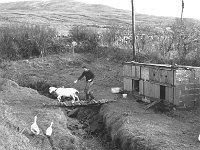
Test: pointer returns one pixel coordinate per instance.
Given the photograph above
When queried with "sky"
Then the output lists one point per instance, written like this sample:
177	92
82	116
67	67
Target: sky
150	7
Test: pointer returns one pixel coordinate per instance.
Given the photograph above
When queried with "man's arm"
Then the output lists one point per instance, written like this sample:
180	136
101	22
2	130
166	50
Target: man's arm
82	75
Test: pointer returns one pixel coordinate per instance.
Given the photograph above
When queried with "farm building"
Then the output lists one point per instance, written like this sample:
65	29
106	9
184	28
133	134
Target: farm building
177	85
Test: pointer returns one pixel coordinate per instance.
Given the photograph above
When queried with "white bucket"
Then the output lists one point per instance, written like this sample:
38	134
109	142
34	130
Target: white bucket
124	95
115	90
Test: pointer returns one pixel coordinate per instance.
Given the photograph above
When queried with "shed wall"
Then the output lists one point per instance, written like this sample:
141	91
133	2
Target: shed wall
181	86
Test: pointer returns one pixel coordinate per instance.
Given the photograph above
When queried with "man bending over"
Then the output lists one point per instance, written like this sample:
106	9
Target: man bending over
89	76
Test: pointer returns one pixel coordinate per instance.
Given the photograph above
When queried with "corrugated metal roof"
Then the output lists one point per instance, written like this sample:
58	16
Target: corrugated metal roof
163	65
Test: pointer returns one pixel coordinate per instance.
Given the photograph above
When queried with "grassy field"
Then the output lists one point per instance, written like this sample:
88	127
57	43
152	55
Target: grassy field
24	103
128	124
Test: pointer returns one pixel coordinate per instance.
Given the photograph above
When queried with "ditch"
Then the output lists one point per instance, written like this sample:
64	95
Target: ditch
86	123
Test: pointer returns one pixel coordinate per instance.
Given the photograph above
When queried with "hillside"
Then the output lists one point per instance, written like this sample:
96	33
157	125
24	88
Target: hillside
61	14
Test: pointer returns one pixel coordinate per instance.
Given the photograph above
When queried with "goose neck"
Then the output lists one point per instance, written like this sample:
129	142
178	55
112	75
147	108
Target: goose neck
35	119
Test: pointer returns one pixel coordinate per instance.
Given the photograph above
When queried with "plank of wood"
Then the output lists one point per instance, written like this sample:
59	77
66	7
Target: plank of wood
137	70
85	103
133	71
145	73
152	104
141	87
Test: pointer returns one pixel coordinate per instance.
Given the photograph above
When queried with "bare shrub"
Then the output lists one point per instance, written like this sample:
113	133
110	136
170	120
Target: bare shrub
119	55
87	39
25	41
186	40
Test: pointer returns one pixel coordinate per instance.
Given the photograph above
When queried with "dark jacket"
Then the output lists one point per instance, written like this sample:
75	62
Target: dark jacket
88	74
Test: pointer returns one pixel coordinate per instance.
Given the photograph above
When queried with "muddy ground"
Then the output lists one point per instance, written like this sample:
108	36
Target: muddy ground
124	124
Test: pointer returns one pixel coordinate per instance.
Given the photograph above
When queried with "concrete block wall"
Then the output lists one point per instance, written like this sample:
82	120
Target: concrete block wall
187	95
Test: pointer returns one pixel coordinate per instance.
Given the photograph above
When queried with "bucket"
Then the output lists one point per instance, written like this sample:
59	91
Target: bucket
124	95
115	90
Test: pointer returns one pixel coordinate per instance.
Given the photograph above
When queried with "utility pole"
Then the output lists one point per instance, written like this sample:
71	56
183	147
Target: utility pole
133	30
182	10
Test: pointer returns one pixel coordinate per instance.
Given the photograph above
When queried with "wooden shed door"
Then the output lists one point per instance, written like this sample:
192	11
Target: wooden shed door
162	92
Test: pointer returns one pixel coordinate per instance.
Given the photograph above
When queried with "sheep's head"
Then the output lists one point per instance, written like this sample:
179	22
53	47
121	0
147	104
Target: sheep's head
52	89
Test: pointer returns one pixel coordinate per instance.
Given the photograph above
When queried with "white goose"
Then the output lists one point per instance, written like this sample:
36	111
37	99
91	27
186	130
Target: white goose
34	127
199	138
49	130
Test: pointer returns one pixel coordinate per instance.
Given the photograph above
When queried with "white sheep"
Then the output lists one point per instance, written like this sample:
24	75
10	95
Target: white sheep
67	92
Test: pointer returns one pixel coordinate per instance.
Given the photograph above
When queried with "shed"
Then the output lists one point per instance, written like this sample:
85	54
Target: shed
174	84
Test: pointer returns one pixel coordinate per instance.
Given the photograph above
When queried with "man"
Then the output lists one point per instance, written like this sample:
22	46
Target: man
89	76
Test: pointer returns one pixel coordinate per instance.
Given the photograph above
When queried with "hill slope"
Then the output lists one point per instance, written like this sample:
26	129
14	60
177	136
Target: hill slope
63	13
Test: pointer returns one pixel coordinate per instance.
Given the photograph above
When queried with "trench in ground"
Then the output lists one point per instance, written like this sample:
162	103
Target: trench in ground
88	124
